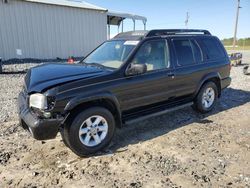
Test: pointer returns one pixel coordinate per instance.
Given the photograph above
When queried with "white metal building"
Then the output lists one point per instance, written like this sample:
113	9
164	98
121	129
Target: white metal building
47	29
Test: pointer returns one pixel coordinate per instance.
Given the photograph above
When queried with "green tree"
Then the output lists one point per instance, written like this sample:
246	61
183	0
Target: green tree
240	42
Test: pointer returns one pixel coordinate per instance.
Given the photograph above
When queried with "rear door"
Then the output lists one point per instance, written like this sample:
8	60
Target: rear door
188	65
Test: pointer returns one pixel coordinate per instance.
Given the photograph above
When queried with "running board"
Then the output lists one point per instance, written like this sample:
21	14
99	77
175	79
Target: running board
158	113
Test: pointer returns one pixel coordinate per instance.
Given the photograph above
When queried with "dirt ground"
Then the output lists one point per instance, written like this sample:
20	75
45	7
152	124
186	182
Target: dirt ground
179	149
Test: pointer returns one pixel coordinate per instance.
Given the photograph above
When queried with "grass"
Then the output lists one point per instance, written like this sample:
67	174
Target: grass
240	48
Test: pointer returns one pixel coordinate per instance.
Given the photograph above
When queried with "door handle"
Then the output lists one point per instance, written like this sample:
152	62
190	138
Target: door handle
171	75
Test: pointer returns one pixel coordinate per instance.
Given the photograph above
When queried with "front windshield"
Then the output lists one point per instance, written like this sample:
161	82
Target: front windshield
111	54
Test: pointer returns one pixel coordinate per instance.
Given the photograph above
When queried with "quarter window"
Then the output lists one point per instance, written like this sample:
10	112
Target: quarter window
154	54
213	49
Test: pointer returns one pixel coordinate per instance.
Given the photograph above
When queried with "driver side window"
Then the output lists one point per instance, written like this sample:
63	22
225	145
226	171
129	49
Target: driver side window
154	54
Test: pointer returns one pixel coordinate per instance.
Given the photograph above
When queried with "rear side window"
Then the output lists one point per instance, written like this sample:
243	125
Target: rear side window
184	52
213	48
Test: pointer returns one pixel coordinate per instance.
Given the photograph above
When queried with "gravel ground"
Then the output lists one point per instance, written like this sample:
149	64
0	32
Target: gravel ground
179	149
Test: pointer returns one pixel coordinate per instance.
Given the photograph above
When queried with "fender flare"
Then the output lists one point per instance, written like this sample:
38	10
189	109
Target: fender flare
207	77
74	102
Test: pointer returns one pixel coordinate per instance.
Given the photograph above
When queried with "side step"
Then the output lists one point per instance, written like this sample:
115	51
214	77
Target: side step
158	113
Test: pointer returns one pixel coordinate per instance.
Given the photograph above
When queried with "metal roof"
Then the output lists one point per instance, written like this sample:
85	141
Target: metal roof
69	3
114	18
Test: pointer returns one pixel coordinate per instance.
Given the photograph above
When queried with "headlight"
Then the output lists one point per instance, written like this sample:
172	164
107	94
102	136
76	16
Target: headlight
38	101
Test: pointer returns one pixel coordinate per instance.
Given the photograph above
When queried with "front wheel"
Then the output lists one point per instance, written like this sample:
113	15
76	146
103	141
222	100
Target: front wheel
206	98
90	131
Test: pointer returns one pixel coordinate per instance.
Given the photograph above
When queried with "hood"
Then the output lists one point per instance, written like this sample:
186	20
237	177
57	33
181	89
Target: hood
46	76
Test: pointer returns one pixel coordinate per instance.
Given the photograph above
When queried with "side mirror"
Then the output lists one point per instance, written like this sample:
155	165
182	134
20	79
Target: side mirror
136	69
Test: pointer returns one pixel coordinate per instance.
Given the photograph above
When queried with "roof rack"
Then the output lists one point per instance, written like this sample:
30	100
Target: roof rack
135	35
161	32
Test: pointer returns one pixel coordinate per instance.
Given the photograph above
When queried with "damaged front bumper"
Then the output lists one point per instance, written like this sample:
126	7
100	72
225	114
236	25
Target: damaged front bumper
40	129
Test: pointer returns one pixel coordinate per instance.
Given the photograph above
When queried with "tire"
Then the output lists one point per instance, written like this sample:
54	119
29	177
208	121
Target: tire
64	136
86	143
205	103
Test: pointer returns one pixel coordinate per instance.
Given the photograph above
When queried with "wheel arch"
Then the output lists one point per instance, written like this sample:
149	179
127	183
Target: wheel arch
105	100
212	77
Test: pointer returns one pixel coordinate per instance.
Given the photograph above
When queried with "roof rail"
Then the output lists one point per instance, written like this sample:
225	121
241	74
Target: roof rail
161	32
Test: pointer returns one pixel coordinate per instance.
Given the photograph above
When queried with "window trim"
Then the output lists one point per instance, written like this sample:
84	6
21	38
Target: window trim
201	52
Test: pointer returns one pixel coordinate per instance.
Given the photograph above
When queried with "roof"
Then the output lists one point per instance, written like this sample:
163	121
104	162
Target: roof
69	3
115	18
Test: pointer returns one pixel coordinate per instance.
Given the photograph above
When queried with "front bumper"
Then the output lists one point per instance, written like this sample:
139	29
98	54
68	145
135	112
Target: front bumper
225	82
40	129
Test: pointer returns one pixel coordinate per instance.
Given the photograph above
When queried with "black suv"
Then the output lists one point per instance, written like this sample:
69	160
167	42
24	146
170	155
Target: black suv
134	76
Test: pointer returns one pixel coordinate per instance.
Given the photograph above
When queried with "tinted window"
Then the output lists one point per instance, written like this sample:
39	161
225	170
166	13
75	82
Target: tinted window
213	48
183	48
196	51
154	54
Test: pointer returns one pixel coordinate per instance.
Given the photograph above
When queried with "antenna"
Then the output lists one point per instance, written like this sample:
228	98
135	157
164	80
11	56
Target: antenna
187	20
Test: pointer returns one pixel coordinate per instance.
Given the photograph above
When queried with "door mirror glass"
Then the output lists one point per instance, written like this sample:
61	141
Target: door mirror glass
136	69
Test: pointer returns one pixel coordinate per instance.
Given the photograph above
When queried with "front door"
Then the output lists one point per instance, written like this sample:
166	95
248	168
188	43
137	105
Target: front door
156	85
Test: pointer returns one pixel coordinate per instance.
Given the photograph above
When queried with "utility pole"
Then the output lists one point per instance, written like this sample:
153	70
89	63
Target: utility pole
187	20
236	24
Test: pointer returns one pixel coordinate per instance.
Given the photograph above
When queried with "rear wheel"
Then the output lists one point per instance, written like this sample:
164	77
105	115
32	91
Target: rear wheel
90	131
206	98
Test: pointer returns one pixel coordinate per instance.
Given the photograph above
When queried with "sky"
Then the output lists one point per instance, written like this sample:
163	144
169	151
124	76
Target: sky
217	16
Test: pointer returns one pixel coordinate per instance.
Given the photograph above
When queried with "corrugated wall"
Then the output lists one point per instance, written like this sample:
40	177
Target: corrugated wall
48	31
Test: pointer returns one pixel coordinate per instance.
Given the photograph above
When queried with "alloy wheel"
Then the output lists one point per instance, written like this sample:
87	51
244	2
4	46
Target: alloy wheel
93	131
